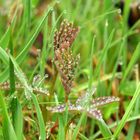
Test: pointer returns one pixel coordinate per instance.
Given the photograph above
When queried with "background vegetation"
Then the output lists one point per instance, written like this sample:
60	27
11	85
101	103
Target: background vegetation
109	60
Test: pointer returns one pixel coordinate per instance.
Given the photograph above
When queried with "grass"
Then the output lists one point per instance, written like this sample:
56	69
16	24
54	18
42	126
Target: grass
109	59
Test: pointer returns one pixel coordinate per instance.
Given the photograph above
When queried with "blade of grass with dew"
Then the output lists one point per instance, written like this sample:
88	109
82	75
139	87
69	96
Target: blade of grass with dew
17	118
38	110
24	52
8	130
21	78
15	106
127	113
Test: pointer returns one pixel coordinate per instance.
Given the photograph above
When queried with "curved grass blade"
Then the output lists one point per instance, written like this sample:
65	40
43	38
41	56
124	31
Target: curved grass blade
40	118
133	118
17	118
104	129
4	41
127	113
3	56
8	130
76	130
24	52
28	88
135	57
61	134
4	75
11	66
104	53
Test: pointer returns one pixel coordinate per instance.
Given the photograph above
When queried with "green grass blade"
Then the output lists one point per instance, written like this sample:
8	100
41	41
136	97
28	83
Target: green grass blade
44	49
91	64
76	10
104	53
76	130
4	56
17	118
8	130
134	58
11	68
61	131
4	75
40	118
83	137
104	129
38	110
133	118
131	130
24	52
39	114
126	12
5	39
127	113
